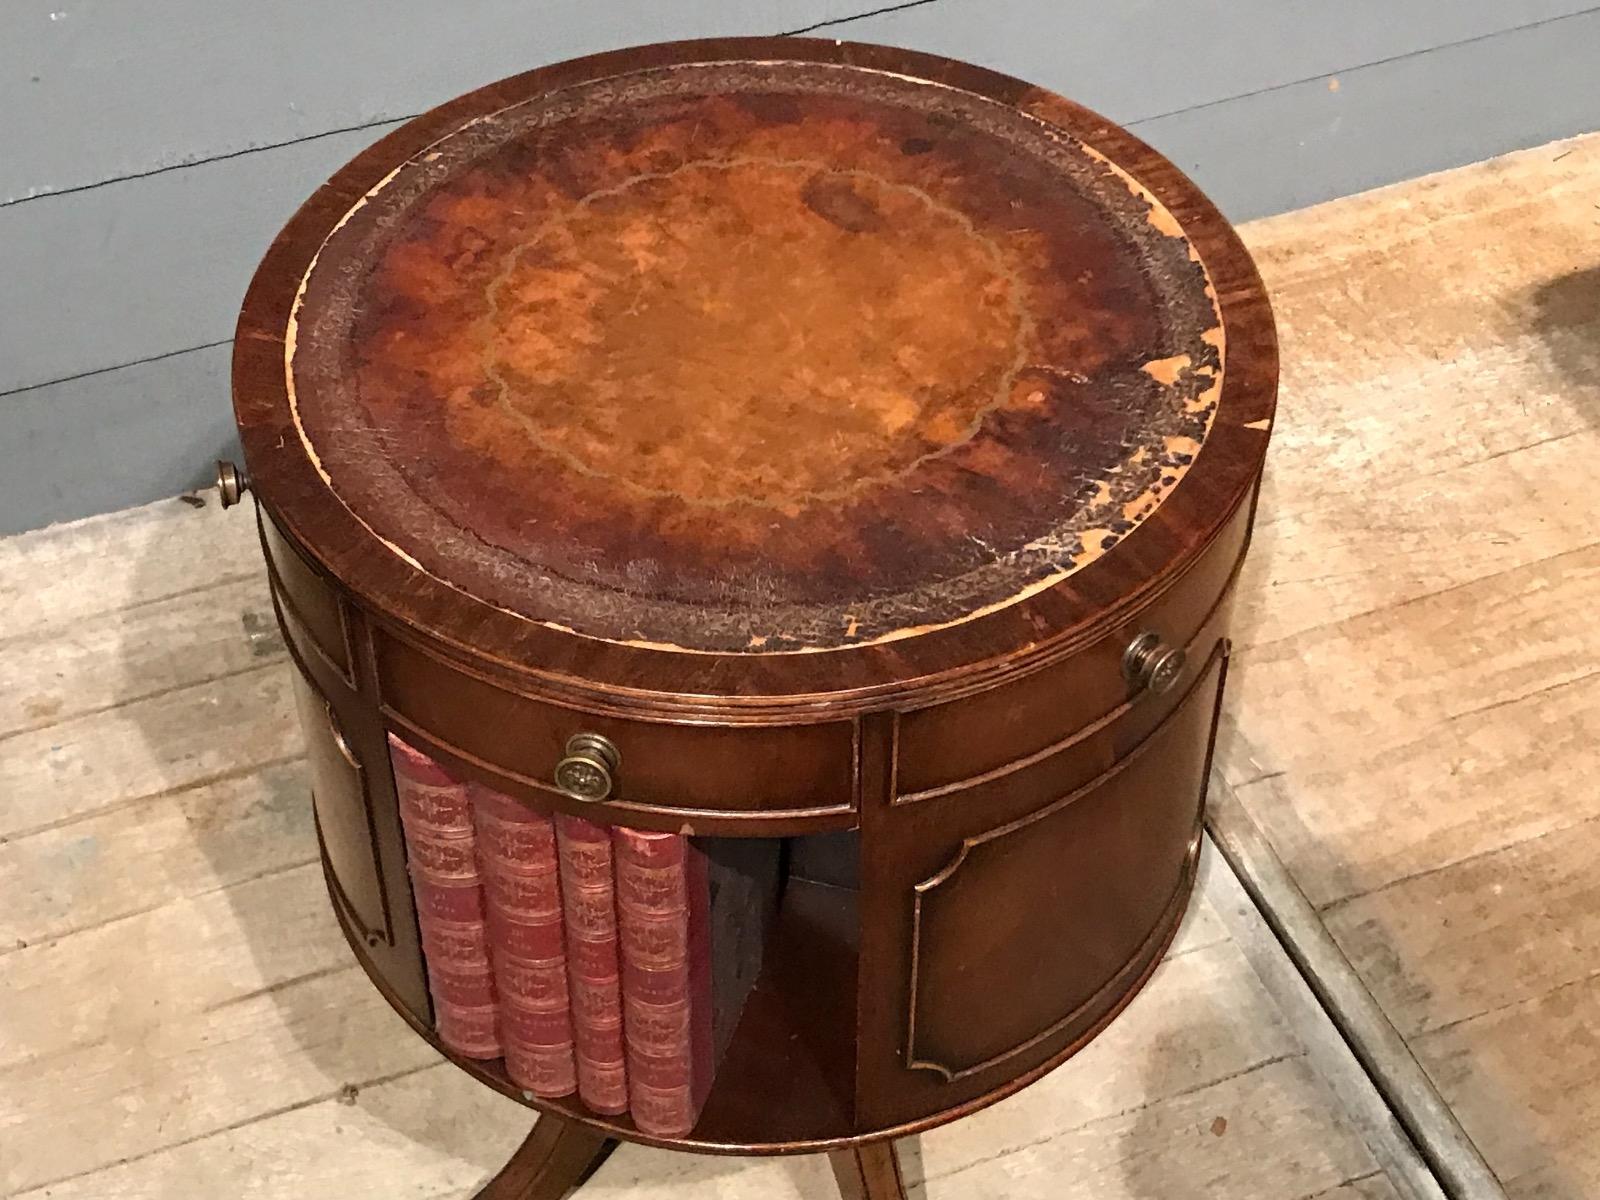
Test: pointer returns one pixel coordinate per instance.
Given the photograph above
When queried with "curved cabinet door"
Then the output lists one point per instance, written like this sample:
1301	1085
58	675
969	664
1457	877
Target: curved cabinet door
1012	918
345	821
358	822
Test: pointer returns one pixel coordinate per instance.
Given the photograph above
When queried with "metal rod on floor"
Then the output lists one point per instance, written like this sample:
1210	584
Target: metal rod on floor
1377	1045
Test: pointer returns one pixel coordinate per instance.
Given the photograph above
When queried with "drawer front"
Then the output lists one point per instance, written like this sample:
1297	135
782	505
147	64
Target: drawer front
308	597
1074	760
947	745
793	778
1008	927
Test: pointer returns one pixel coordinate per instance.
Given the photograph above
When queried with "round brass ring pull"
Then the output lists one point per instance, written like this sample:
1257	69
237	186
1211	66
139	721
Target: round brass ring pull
1151	665
587	771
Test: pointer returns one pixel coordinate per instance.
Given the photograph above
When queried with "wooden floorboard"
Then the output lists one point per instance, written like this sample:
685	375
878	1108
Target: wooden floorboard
160	648
1425	733
53	578
1522	1079
1415	716
175	740
138	858
1479	936
265	1093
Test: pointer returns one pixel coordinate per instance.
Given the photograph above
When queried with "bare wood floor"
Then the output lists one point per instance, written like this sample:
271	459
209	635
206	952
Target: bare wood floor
1415	723
1417	706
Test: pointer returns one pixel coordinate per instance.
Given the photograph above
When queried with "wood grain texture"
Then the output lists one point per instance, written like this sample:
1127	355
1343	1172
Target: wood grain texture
1431	971
868	1173
1208	1141
60	675
557	1156
133	558
1353	588
1521	1079
1374	1187
71	878
122	755
1416	701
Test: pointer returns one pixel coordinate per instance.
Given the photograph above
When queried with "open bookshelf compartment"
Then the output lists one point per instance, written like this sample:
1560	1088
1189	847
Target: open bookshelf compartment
789	1071
788	1074
732	976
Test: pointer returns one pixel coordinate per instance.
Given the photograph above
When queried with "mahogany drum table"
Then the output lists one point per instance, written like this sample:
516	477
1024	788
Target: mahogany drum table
787	440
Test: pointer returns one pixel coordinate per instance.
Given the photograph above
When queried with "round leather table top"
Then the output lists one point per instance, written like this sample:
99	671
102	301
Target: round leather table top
754	357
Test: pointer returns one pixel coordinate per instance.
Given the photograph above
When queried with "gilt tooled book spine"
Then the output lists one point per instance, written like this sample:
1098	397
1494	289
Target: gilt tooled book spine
518	856
666	983
589	901
441	858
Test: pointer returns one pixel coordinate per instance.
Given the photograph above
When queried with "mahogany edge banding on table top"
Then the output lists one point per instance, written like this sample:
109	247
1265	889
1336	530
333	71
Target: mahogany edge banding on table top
819	707
1070	612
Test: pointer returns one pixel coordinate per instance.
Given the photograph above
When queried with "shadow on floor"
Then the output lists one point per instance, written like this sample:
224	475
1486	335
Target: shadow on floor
1566	318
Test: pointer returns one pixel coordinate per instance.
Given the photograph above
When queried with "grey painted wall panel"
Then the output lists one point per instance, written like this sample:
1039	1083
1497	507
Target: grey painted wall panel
129	436
98	89
1299	145
1136	59
146	266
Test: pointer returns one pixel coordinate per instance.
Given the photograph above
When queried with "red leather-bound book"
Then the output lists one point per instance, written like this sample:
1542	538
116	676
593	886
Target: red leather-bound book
441	858
517	852
589	901
663	911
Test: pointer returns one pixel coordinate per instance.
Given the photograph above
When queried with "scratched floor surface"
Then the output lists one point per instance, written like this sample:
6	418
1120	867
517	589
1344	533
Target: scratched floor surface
1414	724
1416	708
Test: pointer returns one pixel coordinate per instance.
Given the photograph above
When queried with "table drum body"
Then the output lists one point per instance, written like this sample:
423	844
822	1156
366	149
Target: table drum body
776	439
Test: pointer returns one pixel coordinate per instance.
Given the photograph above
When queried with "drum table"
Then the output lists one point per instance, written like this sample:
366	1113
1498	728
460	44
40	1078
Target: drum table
838	451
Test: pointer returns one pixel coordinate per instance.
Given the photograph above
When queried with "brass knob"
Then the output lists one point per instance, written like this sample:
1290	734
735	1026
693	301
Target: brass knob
587	771
1151	665
232	483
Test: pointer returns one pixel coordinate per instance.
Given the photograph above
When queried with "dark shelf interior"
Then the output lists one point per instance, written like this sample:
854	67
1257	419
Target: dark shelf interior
790	1070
